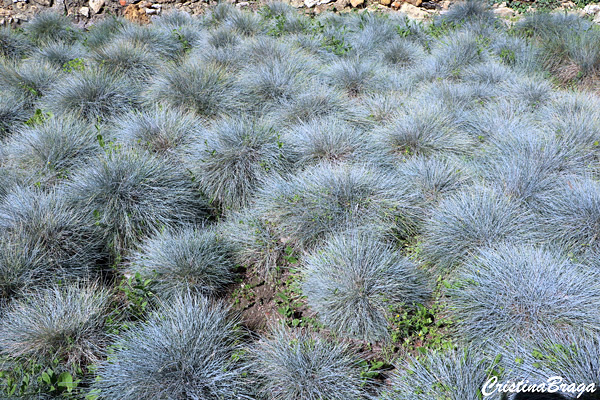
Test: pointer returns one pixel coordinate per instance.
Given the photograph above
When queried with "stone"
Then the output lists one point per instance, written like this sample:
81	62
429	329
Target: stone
429	5
313	3
85	11
413	12
592	9
416	3
44	3
341	4
396	4
597	19
96	5
385	2
151	11
356	3
242	4
134	13
504	12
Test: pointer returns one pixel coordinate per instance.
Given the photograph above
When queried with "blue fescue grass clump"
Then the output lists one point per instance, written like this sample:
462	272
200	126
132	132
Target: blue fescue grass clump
158	40
13	112
133	194
574	118
66	238
295	365
520	291
472	218
223	38
196	87
574	357
176	19
455	375
317	101
469	11
423	130
527	164
237	154
104	31
285	22
49	27
93	95
164	131
325	198
568	44
490	73
21	266
191	259
356	76
402	52
266	84
516	52
64	323
533	92
13	46
28	81
123	58
49	151
432	179
327	139
571	214
60	54
455	52
245	24
370	32
254	241
354	282
189	348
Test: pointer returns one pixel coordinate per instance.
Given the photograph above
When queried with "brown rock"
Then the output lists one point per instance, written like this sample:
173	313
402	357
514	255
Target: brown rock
356	3
504	12
396	4
413	12
385	2
416	3
134	13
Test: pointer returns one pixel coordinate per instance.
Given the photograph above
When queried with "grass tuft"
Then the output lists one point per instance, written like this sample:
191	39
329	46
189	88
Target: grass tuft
294	365
130	195
188	260
519	291
189	348
325	198
192	86
93	95
237	154
64	323
355	281
472	218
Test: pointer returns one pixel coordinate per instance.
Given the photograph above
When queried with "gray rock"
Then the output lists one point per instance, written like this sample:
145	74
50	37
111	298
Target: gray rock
312	3
96	5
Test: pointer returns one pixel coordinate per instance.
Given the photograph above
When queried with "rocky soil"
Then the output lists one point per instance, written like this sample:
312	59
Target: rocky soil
85	12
